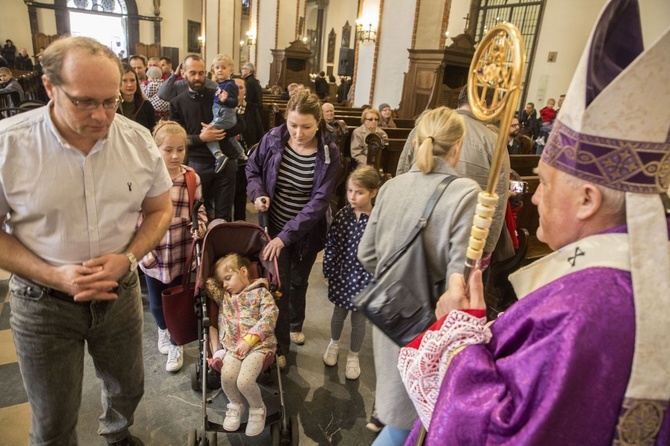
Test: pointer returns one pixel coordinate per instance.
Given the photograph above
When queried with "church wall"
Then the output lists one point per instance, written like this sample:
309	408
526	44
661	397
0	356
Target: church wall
566	32
392	60
15	25
335	18
266	38
365	56
286	27
428	31
459	10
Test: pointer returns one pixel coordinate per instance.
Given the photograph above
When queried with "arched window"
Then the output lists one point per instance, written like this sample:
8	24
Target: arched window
104	20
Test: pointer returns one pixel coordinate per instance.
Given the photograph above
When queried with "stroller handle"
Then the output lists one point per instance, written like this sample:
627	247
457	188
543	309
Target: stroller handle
194	215
263	217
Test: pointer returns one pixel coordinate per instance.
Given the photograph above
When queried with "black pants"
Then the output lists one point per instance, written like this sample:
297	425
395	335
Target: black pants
241	193
294	275
217	189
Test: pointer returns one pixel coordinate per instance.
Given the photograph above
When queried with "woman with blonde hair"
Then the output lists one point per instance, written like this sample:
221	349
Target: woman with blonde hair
369	124
400	203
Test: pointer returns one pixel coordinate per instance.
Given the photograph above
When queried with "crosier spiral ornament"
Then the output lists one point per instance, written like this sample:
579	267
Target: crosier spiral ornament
495	71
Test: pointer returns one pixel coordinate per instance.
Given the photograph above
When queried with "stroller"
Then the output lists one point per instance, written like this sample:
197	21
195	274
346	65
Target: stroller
248	240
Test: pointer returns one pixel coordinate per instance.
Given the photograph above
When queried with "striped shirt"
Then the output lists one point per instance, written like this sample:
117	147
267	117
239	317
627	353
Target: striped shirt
294	187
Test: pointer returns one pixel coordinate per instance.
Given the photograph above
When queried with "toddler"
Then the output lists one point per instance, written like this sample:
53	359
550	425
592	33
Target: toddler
247	318
224	108
346	276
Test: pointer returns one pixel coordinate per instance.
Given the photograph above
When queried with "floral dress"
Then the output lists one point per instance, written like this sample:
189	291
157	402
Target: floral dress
346	276
253	312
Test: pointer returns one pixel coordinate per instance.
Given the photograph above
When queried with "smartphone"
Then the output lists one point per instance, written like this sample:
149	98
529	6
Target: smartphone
520	187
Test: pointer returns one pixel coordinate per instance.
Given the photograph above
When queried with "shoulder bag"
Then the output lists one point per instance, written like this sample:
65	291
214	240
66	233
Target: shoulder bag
401	299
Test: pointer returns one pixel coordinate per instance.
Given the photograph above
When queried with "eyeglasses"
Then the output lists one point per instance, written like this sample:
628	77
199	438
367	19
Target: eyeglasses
514	125
92	104
372	119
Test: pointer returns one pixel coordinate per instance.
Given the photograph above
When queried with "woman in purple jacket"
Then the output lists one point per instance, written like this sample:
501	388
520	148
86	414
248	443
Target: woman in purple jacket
292	174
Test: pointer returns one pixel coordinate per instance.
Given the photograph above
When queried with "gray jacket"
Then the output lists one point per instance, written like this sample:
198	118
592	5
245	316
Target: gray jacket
172	87
400	203
475	162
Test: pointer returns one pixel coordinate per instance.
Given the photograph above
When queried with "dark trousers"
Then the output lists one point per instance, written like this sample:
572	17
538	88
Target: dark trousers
294	275
217	189
155	289
241	193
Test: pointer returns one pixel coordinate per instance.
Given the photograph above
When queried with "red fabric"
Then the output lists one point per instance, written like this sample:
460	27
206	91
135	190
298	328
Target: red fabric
510	221
436	326
548	114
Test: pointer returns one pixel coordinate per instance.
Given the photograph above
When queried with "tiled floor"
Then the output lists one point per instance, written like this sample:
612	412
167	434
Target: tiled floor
331	410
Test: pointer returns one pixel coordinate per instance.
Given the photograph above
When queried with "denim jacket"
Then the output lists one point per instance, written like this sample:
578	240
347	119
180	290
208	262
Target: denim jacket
310	226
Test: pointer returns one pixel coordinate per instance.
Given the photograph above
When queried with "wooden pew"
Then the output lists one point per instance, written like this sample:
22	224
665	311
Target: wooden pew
524	164
398	133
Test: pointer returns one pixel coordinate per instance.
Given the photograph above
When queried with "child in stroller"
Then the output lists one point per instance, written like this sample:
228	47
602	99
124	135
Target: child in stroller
246	320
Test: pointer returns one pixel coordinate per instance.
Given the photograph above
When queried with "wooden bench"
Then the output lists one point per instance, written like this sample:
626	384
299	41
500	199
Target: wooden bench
524	165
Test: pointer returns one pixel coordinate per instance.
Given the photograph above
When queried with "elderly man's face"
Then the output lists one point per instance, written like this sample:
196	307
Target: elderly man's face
245	71
102	84
328	112
557	203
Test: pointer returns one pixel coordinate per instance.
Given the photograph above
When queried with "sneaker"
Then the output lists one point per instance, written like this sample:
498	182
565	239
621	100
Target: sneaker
163	341
281	361
374	424
220	163
128	441
175	359
298	337
353	370
233	417
256	423
330	357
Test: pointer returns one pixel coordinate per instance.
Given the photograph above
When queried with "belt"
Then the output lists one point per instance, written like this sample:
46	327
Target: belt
34	290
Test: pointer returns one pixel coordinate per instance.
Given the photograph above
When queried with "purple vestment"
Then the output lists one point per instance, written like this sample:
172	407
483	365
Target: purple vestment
554	373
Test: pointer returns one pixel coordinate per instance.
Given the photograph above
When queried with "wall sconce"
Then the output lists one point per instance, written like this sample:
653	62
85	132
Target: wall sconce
446	39
251	38
365	32
241	43
201	41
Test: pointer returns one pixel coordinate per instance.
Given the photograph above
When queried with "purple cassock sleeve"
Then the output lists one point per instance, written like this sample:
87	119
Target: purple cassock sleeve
554	373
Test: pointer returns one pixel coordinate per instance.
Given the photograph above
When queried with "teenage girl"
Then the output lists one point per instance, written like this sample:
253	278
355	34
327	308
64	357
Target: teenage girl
346	276
166	263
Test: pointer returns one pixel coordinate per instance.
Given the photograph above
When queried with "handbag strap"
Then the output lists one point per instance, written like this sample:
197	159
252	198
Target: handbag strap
423	221
186	277
189	177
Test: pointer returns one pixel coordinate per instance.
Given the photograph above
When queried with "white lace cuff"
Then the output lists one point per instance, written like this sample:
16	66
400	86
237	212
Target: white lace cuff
422	369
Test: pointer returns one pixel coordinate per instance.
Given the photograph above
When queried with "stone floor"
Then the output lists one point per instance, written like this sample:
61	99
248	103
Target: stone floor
330	409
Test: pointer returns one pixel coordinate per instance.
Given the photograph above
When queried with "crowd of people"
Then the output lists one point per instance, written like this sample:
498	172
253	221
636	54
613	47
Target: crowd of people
521	379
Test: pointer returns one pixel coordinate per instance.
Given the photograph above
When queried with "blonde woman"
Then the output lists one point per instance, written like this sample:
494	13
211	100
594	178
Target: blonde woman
369	124
399	205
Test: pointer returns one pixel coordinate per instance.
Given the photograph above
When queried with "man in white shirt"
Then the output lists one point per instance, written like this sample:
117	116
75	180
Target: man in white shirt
74	177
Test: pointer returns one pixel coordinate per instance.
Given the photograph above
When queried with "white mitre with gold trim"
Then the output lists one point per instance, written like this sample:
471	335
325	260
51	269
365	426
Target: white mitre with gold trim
606	133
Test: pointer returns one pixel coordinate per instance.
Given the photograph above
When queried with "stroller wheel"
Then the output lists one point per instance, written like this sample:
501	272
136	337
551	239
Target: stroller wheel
211	438
192	438
290	436
195	378
275	429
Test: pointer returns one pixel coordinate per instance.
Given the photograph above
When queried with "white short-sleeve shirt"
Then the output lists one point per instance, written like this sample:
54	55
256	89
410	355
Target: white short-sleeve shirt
67	207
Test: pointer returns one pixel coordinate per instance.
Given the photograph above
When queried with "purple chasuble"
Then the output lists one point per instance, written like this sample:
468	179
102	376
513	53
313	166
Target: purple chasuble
555	372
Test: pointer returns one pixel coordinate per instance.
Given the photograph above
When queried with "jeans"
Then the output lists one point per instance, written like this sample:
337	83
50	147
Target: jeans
391	436
241	199
155	289
217	188
294	276
225	118
49	336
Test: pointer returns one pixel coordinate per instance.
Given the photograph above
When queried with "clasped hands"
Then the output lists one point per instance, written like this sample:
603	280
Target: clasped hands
94	279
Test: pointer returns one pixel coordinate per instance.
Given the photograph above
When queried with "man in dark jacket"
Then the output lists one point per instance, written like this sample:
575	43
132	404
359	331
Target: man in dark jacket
321	85
254	96
193	110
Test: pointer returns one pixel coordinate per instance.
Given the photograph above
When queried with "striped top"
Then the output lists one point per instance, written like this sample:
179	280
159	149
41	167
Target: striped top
294	187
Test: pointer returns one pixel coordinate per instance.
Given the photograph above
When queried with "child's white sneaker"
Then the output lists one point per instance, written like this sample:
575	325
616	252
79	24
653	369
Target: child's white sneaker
233	417
353	370
256	422
330	357
163	341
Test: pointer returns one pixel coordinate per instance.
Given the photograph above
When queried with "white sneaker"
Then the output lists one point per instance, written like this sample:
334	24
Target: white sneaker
233	417
353	370
330	357
256	422
163	341
175	359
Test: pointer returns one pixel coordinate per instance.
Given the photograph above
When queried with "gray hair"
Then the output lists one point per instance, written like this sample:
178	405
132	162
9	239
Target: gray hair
614	201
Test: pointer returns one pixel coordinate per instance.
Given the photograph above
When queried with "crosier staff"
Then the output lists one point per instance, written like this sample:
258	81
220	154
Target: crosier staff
497	67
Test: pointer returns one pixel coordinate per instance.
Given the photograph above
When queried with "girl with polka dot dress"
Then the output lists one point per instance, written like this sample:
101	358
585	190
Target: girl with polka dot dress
346	276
